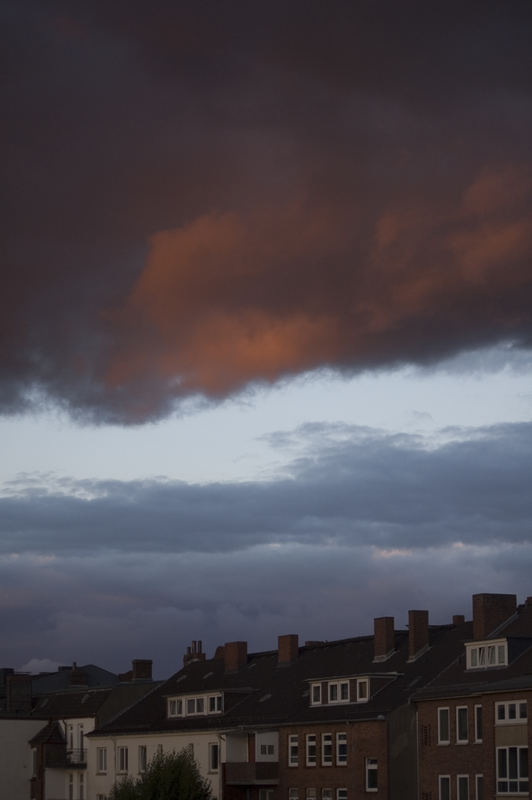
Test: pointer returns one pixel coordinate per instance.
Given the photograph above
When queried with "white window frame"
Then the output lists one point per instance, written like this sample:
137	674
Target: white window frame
315	689
142	755
101	760
311	793
461	781
310	740
175	707
478	723
341	793
506	779
462	711
372	768
215	704
332	688
122	759
214	757
293	750
326	794
483	655
327	742
441	780
507	719
441	739
362	696
293	793
341	739
479	787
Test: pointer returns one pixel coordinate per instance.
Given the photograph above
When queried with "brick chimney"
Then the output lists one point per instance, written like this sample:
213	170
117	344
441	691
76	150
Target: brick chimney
18	694
235	655
490	611
77	677
141	669
194	653
418	633
288	649
458	619
384	642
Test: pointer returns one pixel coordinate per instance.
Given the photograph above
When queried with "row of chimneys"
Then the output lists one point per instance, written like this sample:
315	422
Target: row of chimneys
489	611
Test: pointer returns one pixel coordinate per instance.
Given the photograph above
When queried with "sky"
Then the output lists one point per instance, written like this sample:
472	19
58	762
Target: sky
265	321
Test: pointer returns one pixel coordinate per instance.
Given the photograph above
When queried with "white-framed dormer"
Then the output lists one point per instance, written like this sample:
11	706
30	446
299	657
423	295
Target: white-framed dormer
194	705
487	654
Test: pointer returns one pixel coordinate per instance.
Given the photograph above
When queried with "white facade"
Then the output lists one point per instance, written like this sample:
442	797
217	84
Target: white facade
112	757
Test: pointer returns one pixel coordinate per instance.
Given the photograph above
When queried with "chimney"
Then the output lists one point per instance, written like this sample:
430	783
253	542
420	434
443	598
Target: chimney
288	649
77	676
18	691
418	633
384	642
458	619
194	653
235	655
141	669
490	611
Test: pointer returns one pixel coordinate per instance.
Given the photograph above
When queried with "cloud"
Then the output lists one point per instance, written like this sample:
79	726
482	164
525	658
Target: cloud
363	523
199	201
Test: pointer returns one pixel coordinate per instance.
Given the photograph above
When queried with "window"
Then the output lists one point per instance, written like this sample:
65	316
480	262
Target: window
362	690
214	758
34	761
293	750
478	724
339	692
461	725
267	750
488	654
143	757
341	749
326	750
121	759
462	787
265	794
311	750
70	786
341	794
371	775
443	726
513	713
175	707
215	704
81	786
293	793
444	782
311	793
315	694
333	693
479	787
326	794
512	770
344	691
101	759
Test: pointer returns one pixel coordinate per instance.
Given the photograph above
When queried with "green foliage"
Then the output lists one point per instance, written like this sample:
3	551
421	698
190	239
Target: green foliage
170	776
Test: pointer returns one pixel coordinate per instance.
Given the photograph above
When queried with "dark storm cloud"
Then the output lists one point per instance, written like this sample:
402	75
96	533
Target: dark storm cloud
200	197
362	524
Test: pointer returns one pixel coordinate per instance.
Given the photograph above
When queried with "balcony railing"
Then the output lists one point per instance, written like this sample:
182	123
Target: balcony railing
76	757
248	773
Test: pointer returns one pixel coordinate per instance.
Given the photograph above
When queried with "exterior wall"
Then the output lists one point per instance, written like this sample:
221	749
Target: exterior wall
402	748
56	784
16	766
471	758
364	740
101	783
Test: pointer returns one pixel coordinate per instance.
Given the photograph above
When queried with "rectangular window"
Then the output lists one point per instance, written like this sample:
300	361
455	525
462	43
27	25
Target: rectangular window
341	749
311	793
479	787
444	785
121	759
214	756
81	786
143	757
333	693
341	794
265	794
372	783
70	786
462	787
443	726
326	750
293	750
489	654
293	793
512	770
344	691
511	713
267	750
478	724
315	694
191	705
311	750
215	704
326	794
362	690
101	759
175	707
462	733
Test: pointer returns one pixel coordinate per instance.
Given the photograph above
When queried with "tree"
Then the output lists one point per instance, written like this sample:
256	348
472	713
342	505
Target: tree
169	776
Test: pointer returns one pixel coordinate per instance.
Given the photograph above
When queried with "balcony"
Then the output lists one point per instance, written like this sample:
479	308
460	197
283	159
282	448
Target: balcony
76	758
247	773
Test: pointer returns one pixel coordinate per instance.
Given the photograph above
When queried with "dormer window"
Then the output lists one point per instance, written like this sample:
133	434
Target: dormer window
194	706
482	655
362	690
315	694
